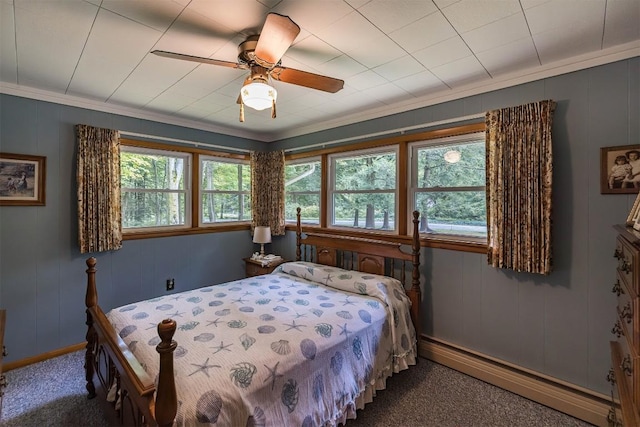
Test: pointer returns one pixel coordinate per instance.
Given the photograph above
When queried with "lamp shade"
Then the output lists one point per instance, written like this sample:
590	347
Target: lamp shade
262	235
258	95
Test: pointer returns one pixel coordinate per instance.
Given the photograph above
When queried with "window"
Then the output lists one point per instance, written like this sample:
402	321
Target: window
448	185
302	189
155	188
363	189
225	190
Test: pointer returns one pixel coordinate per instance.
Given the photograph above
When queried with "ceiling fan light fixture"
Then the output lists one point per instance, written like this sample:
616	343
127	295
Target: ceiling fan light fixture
258	95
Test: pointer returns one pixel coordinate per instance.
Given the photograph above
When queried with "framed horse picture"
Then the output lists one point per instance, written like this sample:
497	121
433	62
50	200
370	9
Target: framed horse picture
22	180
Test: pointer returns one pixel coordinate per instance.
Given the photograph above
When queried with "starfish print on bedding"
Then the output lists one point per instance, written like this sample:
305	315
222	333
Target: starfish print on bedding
204	368
176	314
222	347
176	298
152	325
298	315
283	299
346	301
328	279
344	331
293	325
247	293
273	375
213	322
239	300
293	285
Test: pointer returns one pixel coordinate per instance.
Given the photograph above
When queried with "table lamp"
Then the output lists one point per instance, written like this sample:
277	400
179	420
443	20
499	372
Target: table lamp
262	235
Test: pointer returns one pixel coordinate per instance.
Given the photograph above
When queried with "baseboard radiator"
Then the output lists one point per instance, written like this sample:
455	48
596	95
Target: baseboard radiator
580	403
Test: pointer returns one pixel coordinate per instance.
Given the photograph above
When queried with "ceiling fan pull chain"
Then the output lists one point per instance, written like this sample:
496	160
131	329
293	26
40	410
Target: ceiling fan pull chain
241	112
273	108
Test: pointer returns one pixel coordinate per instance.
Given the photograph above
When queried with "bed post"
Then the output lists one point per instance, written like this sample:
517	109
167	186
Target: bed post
90	301
414	292
166	404
298	234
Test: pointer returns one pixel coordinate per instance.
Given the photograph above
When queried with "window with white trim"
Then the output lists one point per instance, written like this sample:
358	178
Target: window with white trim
363	190
448	185
155	188
225	190
302	186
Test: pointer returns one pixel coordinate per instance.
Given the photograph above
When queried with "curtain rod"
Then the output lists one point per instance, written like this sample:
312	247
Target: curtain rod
388	132
184	141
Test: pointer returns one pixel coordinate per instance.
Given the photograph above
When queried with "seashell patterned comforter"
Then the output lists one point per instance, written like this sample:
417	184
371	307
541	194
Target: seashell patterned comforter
304	346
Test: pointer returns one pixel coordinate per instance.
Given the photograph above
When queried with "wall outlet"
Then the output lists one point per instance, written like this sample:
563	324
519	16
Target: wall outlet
170	284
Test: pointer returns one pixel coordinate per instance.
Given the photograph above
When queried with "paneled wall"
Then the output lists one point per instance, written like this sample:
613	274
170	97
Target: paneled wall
558	325
42	273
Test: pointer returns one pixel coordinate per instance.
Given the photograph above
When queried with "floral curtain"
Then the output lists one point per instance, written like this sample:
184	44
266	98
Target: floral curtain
98	180
267	191
519	177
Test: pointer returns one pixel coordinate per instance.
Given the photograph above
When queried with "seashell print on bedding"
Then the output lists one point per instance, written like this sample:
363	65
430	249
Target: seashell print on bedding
141	315
127	330
289	395
266	329
266	317
247	341
281	347
308	348
164	307
242	374
204	337
258	419
324	329
188	326
215	303
208	407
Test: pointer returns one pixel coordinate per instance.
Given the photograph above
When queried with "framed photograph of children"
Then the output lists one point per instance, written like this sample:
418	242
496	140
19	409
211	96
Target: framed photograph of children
620	169
22	180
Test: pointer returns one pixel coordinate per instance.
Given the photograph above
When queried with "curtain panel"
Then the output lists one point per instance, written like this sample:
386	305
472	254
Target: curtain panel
519	180
98	182
267	191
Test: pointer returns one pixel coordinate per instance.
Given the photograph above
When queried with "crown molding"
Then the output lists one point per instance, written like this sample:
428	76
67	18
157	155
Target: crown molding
577	63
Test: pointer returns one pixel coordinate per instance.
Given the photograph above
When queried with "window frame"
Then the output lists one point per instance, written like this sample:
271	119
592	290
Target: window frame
404	217
195	227
186	191
331	191
312	159
201	191
412	178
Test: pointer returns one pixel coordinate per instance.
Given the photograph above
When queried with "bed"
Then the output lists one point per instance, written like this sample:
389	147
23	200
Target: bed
306	345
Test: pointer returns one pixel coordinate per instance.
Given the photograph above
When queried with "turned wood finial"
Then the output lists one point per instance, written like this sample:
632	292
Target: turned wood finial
91	297
166	400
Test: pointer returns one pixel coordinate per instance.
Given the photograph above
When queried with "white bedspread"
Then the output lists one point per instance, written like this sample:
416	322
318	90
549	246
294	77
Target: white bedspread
304	346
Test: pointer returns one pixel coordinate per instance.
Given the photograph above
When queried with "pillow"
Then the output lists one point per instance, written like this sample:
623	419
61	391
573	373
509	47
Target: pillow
383	288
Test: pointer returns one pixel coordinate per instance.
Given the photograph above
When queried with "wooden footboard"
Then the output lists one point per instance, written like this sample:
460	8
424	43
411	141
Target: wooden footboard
114	373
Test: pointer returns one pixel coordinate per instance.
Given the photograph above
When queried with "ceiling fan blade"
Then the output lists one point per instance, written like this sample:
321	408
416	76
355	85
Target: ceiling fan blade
306	79
199	59
277	34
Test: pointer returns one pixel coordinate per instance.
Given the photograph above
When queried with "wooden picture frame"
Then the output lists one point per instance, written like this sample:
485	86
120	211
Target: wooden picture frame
615	163
22	180
634	214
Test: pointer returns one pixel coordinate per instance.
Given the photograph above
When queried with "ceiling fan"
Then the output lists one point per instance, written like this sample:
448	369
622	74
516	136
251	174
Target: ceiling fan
261	54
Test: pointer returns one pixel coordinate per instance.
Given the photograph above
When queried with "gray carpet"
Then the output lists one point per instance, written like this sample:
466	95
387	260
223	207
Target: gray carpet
52	393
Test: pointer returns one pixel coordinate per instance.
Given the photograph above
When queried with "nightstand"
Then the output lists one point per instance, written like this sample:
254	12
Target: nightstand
255	268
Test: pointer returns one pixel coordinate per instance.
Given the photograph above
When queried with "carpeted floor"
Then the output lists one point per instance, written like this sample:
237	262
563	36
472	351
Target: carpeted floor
52	393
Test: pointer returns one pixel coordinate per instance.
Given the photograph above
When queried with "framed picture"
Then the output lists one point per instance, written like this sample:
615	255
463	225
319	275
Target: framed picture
620	169
22	179
634	214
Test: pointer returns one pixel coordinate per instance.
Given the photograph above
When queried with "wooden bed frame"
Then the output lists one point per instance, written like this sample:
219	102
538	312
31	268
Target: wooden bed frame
110	364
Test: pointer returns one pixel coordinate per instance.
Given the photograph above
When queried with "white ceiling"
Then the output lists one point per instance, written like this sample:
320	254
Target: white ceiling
394	55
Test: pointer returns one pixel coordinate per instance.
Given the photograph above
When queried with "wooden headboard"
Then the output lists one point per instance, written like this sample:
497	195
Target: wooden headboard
367	255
